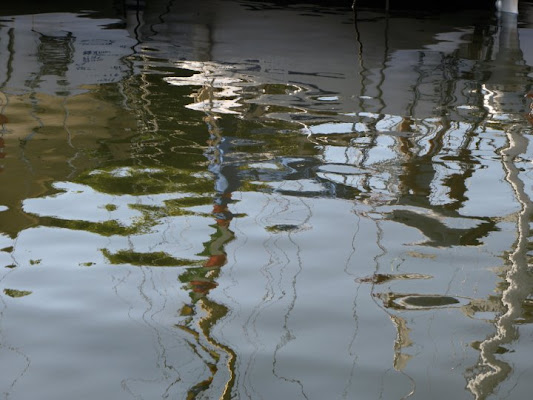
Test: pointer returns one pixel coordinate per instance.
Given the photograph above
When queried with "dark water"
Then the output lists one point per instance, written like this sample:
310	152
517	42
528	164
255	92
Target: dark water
206	200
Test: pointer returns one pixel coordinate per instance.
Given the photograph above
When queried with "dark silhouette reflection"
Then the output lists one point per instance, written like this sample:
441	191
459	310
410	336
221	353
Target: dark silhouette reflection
55	55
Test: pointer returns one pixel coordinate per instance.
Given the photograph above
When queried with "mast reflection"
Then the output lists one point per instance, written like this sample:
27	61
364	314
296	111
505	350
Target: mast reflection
495	100
504	98
202	280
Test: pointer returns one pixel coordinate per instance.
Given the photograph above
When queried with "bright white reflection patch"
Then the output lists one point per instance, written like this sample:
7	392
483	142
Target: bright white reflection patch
342	169
337	127
126	171
264	166
81	202
219	92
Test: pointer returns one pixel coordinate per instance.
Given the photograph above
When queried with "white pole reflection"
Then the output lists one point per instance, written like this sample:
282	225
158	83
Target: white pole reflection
505	95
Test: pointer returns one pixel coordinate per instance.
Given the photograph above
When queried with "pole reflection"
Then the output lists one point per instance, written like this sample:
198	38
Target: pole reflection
498	97
504	97
205	313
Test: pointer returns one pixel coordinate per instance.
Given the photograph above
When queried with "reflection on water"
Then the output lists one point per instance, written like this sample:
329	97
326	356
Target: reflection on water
200	206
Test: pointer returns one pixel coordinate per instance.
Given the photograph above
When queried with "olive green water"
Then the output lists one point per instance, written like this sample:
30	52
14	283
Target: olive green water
215	200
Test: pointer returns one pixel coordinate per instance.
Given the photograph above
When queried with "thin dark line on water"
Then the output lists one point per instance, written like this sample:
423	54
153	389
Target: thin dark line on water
3	345
288	336
11	50
9	67
373	297
354	307
268	299
70	161
383	67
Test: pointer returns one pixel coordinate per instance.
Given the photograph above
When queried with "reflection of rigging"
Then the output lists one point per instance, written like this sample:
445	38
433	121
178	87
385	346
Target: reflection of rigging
491	371
4	100
501	96
54	54
202	280
421	154
202	313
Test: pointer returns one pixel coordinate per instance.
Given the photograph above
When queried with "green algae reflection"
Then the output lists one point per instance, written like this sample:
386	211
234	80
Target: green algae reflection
142	181
105	228
17	293
154	259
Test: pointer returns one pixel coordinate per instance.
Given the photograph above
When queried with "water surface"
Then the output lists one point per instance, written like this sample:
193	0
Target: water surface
242	200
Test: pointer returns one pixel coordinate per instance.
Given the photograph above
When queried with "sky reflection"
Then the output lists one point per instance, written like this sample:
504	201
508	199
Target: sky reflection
199	205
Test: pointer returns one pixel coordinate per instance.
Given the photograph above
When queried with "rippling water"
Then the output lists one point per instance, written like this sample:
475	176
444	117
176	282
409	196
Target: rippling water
235	199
